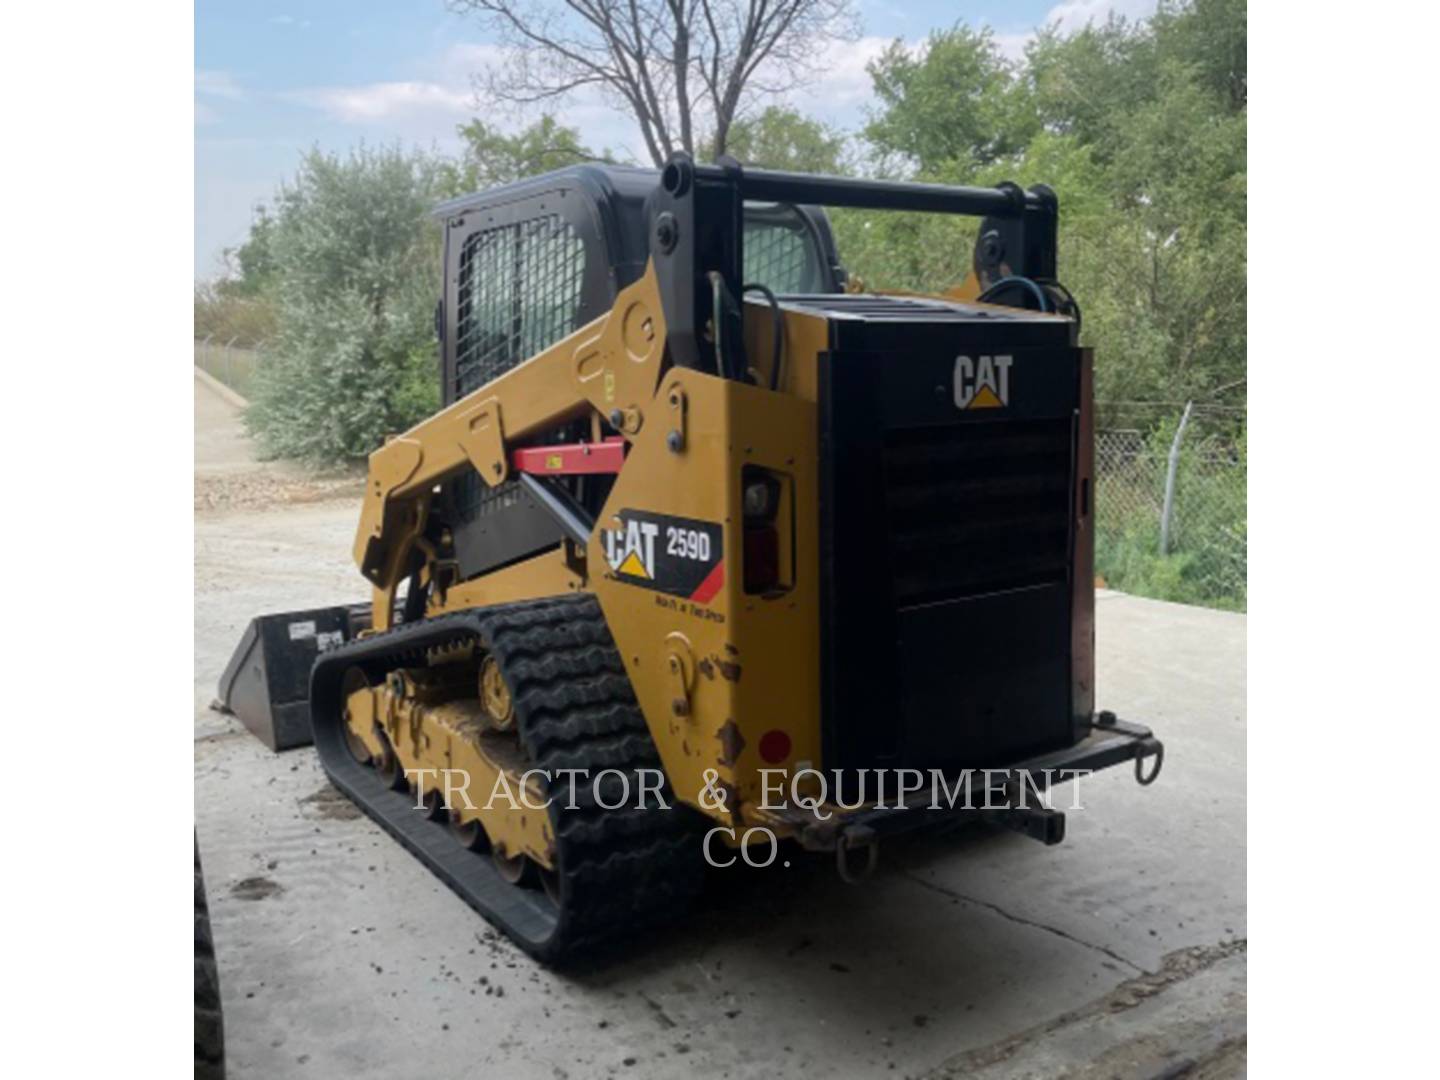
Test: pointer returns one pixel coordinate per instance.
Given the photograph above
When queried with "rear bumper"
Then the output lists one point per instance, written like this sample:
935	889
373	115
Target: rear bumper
1008	796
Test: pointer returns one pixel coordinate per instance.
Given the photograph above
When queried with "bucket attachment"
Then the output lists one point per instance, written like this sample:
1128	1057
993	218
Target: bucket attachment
267	682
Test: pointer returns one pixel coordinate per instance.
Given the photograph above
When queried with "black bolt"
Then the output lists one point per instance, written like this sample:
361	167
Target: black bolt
617	418
674	441
667	232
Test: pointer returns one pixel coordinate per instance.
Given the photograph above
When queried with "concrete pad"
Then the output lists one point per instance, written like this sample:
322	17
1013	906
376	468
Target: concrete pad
1119	953
341	956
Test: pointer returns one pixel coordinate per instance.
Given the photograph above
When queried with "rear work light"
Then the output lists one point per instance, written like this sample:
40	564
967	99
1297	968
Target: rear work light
764	502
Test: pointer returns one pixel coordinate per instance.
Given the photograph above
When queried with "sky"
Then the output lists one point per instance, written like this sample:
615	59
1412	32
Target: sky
274	78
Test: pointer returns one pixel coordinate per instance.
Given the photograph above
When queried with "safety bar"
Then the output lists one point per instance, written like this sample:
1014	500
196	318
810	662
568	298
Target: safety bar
1005	200
697	238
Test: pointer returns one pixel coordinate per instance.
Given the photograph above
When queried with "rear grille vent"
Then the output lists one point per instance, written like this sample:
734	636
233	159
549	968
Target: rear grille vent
977	507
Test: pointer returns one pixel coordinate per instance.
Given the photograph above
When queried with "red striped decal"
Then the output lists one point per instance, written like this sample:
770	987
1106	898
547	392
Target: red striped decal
714	581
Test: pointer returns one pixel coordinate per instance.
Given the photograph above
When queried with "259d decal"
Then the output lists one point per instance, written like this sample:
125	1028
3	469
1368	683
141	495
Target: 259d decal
679	556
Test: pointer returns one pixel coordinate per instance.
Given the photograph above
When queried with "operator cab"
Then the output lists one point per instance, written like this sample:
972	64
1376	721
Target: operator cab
529	263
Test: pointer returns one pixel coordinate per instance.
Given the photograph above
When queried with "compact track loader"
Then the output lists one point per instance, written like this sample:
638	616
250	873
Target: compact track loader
709	550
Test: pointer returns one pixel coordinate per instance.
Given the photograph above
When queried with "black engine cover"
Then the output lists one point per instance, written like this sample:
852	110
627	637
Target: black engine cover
947	459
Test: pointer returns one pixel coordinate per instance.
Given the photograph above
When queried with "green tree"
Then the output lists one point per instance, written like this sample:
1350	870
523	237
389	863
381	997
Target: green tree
252	264
947	111
953	103
239	306
783	138
1084	83
356	277
1141	130
1210	36
491	157
1179	175
1159	106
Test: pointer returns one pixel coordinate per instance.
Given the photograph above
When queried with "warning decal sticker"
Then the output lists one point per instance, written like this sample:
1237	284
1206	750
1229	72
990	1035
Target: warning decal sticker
679	556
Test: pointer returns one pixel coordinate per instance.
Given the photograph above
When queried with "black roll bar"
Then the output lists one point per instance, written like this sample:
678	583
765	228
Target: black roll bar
696	239
1004	200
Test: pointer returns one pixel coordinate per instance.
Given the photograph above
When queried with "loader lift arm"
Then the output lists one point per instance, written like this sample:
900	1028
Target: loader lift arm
610	366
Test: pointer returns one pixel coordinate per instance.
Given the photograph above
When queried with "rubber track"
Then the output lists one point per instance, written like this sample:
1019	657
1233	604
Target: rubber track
621	872
209	1024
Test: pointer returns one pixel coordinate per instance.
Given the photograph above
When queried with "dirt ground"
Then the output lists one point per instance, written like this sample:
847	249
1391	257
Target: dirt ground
230	476
1122	952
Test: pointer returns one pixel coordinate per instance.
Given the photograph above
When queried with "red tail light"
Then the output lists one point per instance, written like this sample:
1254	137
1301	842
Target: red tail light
762	558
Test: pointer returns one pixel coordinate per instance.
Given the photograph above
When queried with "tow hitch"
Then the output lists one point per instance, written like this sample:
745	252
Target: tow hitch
1012	798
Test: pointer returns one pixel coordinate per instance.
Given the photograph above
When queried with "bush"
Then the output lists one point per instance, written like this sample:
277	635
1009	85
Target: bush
356	272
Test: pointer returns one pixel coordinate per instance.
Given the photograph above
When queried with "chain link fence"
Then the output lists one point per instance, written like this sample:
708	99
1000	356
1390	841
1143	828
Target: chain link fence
233	365
1170	503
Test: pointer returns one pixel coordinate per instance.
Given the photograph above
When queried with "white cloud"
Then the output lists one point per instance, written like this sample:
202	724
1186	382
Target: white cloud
842	86
388	100
430	109
465	58
1012	46
215	86
448	94
219	84
1073	15
843	89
